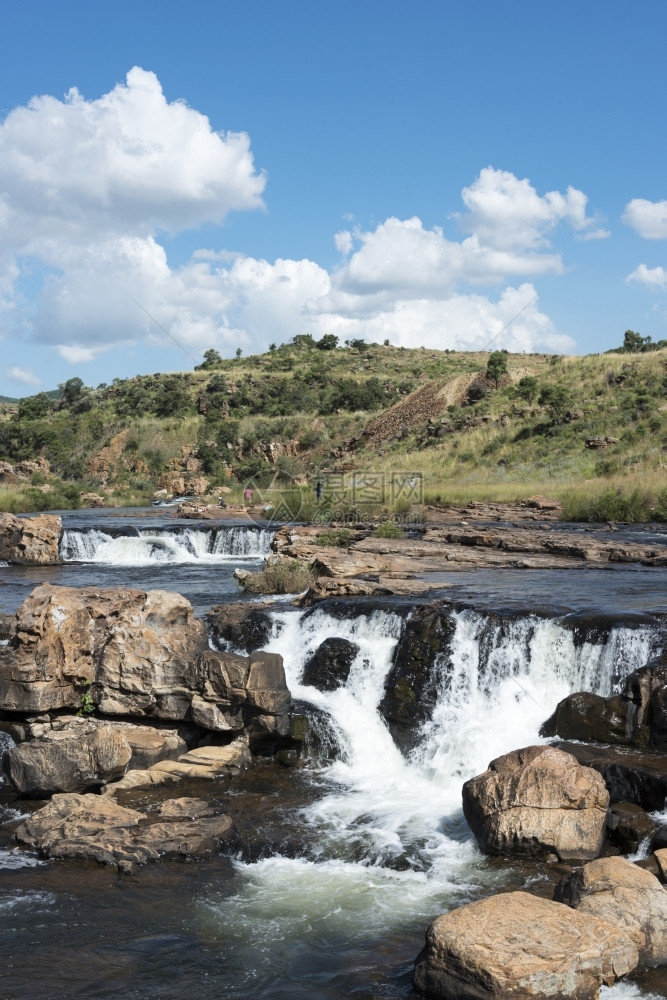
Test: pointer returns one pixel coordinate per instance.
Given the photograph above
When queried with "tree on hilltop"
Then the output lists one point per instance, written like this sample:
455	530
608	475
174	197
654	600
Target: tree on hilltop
496	366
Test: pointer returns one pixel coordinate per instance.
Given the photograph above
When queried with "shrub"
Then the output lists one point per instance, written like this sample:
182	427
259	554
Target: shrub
337	537
388	529
284	577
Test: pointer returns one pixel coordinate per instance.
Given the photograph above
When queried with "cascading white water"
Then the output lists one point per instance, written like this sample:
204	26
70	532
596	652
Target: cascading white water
148	546
496	685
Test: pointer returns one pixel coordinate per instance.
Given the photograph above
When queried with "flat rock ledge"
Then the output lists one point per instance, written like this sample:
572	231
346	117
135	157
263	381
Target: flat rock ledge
95	827
516	946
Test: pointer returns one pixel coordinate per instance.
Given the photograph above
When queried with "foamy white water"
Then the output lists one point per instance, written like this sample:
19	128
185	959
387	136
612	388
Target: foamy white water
496	685
150	546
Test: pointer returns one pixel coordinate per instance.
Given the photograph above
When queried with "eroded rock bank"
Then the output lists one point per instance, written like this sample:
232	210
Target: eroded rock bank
155	706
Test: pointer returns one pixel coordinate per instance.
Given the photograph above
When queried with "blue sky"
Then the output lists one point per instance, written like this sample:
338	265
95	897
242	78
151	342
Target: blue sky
419	171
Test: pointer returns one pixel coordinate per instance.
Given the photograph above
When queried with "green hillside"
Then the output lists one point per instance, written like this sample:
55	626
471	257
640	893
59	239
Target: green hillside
301	411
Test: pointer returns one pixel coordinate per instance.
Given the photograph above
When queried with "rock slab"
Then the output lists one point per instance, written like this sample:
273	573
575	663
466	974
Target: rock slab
515	946
94	826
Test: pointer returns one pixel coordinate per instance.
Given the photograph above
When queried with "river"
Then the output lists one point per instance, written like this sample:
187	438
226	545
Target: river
340	864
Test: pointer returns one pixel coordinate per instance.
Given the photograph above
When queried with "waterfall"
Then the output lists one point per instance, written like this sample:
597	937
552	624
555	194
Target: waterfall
146	546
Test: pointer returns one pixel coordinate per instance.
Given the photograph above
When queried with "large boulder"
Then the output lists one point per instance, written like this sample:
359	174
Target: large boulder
67	763
586	716
630	775
235	692
94	826
240	625
625	895
515	946
30	541
329	666
134	652
537	800
637	717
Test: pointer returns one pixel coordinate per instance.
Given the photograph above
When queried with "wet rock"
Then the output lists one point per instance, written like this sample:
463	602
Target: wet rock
659	839
537	800
515	945
410	689
628	826
67	763
661	861
30	541
93	826
585	716
329	666
630	775
625	895
637	717
240	625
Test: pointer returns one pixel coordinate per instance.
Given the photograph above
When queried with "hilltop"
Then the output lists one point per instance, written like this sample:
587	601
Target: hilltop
534	424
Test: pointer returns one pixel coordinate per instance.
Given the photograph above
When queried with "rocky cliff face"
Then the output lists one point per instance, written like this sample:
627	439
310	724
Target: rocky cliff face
30	541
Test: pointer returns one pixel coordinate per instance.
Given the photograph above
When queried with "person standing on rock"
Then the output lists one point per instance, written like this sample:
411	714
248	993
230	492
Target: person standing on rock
318	490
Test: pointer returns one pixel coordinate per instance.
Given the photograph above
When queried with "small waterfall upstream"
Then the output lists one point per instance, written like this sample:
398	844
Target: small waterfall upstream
393	846
146	546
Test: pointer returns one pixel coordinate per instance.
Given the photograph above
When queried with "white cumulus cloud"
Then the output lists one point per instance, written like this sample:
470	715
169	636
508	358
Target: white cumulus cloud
652	277
648	218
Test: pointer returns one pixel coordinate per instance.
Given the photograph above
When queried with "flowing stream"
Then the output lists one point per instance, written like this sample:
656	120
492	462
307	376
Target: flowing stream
361	848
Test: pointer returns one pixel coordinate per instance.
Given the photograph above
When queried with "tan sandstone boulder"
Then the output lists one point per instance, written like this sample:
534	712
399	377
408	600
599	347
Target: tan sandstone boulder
629	897
67	763
136	649
515	946
30	541
535	800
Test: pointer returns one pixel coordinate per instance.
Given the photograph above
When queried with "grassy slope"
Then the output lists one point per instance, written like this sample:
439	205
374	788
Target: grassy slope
290	395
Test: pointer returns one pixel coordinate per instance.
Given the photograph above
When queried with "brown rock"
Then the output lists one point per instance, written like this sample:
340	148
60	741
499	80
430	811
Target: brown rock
137	649
30	541
626	896
94	826
535	800
66	763
515	946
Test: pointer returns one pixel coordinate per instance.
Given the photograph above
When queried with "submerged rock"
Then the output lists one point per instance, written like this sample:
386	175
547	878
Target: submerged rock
537	800
625	895
515	946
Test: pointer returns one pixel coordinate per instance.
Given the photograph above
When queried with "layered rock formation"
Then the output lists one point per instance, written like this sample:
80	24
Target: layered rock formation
537	800
135	653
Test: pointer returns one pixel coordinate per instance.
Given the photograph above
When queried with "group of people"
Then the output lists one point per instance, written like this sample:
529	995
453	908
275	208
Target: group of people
249	493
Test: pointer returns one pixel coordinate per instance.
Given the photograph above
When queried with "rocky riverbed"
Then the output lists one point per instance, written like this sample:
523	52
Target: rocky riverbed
316	762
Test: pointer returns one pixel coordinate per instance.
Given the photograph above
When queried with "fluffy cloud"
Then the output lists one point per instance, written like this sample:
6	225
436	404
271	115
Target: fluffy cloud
129	162
87	186
648	218
22	375
508	214
651	277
